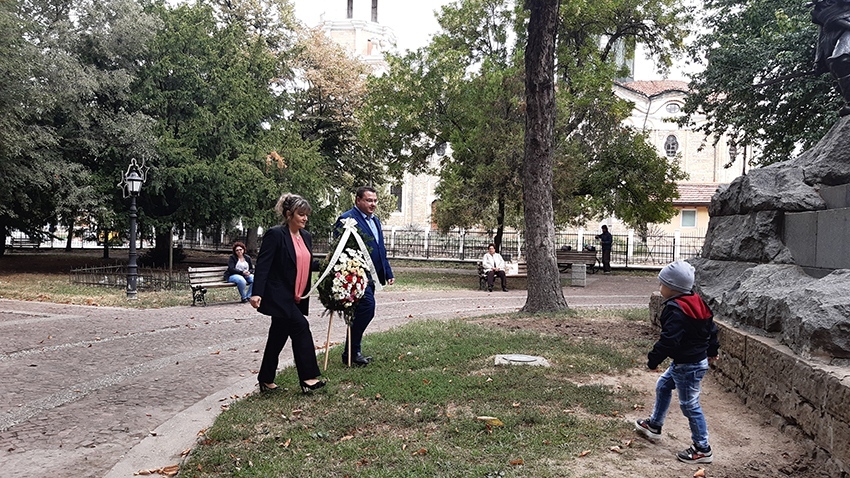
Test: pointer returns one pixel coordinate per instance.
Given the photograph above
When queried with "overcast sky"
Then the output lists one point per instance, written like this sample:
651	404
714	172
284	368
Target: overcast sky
412	21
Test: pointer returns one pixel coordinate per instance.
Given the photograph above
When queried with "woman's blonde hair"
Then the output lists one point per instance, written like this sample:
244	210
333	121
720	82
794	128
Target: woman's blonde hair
289	204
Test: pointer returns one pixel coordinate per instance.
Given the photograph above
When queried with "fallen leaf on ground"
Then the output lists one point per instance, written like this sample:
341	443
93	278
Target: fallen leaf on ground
420	451
700	472
584	453
616	449
517	462
493	421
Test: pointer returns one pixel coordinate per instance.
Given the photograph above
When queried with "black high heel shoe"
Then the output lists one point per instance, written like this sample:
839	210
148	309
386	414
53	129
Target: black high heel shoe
309	388
266	389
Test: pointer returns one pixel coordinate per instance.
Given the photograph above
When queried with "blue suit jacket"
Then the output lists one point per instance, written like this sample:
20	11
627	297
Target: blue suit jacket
377	251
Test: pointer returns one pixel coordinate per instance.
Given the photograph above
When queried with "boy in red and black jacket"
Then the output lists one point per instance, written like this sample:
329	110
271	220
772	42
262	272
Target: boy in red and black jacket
689	338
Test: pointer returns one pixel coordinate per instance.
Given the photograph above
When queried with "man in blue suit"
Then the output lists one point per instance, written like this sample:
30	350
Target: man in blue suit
369	227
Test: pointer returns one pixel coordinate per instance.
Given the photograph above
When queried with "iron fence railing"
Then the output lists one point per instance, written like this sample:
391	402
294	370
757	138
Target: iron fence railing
629	249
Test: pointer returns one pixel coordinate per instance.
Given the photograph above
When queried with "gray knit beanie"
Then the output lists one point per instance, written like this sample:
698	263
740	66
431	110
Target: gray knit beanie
678	276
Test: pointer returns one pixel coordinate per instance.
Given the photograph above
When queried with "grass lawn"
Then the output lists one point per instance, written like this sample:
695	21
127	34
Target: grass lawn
416	412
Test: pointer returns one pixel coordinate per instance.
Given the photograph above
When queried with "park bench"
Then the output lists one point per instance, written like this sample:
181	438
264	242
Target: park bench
566	259
22	242
521	271
203	278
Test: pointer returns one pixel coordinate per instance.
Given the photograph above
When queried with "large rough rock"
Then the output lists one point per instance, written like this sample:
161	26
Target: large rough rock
754	237
828	163
808	314
747	273
778	187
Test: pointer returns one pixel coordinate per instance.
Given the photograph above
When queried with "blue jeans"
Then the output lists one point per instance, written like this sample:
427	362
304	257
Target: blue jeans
685	378
245	284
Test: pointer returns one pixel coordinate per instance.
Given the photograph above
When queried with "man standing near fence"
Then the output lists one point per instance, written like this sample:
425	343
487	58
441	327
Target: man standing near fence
369	227
607	241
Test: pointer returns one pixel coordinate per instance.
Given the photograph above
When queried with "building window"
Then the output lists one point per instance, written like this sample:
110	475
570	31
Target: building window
671	146
350	12
375	11
673	108
396	191
689	218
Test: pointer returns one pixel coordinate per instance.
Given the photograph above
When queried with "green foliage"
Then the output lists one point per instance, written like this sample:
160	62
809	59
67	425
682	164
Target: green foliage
749	44
467	89
67	131
218	82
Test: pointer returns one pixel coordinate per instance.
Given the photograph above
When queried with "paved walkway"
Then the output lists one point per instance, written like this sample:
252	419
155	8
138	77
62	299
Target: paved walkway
106	392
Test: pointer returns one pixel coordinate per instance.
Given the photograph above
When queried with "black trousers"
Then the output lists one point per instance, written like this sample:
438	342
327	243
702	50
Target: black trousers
491	278
296	327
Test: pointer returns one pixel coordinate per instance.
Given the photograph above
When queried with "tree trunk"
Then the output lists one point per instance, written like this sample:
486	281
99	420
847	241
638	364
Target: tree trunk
544	284
500	221
4	233
69	226
106	245
251	241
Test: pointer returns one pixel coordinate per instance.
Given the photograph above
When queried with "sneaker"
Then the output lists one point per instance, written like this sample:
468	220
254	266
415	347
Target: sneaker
695	455
644	428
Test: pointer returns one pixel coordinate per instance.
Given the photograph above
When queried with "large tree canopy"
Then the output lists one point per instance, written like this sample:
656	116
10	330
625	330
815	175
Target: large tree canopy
67	68
748	45
466	89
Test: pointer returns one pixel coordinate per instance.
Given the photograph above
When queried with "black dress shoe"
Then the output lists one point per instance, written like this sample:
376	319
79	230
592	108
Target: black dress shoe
309	388
359	360
266	389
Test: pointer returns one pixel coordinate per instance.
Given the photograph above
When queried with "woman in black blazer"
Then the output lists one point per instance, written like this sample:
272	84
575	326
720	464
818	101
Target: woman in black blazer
281	277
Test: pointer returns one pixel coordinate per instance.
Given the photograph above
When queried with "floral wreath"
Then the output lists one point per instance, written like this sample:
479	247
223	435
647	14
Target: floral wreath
344	280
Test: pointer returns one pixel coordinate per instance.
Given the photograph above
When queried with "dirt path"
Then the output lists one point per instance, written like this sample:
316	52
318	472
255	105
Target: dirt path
744	444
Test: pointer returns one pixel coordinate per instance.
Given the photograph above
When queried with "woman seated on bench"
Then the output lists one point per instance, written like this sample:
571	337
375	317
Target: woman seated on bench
240	271
494	265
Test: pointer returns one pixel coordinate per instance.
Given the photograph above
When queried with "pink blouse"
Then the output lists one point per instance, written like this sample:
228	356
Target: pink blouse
302	266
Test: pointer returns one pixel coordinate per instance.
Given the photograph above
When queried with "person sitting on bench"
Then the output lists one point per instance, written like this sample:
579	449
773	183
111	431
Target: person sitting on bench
494	265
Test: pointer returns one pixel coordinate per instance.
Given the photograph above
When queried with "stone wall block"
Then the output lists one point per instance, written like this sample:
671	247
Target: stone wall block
800	235
753	237
809	383
837	397
770	369
808	418
806	400
836	197
733	372
734	345
839	439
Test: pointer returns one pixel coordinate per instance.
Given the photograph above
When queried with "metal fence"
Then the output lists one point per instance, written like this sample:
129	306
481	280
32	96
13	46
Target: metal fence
116	277
628	249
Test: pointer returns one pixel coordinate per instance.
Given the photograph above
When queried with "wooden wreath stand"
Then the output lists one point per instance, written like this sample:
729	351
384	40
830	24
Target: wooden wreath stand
328	340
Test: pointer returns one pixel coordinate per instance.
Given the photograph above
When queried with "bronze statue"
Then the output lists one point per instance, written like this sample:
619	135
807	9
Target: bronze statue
833	47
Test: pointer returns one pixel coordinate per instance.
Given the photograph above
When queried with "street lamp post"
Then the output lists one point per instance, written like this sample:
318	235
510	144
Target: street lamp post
132	185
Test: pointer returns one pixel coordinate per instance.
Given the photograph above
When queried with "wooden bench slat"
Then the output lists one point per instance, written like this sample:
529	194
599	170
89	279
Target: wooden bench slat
208	277
566	259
